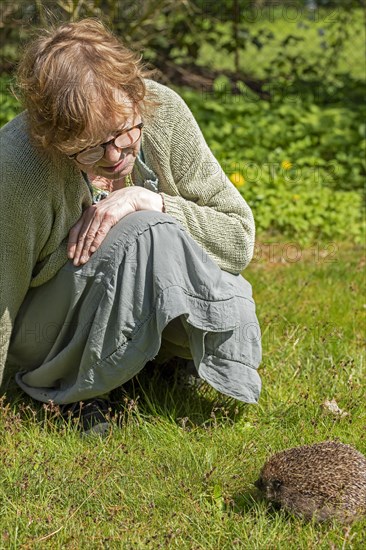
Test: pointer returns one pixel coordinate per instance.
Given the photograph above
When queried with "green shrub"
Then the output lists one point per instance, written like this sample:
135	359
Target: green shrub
298	165
9	106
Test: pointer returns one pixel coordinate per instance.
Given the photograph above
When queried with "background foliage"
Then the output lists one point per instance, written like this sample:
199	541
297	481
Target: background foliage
280	100
277	88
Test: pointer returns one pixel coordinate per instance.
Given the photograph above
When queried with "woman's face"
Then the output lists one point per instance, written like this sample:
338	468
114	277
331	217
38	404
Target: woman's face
116	163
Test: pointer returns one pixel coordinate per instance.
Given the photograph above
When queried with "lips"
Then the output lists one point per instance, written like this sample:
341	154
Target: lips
117	166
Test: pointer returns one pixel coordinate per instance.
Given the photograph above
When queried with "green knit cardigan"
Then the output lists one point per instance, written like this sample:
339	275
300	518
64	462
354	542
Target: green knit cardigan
41	197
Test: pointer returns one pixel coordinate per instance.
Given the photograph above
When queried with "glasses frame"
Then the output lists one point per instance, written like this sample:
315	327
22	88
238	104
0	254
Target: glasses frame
105	144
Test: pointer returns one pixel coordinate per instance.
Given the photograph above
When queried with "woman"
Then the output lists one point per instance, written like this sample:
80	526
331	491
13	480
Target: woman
122	238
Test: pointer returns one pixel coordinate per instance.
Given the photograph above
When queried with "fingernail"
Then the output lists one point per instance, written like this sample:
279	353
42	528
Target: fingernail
93	248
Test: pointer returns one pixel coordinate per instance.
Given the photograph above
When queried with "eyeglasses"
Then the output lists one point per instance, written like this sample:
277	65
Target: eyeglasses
123	140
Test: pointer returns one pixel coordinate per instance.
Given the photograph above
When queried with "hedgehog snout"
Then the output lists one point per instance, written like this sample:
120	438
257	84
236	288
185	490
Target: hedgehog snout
259	484
270	488
273	489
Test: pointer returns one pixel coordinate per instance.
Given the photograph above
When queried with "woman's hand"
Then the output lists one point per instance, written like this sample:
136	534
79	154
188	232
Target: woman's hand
90	230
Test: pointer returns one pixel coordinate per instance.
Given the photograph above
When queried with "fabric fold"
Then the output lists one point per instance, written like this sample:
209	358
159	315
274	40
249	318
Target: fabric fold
92	328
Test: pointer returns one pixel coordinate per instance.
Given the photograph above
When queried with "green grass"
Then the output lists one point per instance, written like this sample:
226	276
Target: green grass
178	470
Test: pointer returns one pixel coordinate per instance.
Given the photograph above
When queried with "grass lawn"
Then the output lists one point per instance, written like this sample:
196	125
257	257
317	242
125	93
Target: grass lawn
178	472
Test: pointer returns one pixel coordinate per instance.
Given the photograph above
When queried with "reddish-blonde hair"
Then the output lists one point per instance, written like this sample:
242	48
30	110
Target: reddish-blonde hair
70	81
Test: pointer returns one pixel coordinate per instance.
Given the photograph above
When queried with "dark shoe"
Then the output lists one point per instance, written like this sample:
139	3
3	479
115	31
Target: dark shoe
183	372
91	417
188	377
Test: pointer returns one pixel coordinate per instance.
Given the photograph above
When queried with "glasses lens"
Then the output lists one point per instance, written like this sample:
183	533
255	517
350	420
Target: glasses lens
128	139
90	155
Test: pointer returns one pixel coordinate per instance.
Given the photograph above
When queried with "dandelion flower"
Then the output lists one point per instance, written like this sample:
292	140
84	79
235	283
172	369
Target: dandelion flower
295	197
286	165
237	179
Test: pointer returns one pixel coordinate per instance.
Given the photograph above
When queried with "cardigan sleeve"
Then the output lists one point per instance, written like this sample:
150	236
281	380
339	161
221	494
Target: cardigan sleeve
17	256
209	206
23	233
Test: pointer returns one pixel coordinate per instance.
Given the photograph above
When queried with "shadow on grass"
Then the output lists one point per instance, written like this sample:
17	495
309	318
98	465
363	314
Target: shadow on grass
165	391
252	503
247	502
170	391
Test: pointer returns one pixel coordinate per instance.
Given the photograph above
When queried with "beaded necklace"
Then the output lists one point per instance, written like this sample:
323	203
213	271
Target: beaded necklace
128	181
100	193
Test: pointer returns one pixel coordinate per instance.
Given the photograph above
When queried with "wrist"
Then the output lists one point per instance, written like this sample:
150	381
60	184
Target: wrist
157	203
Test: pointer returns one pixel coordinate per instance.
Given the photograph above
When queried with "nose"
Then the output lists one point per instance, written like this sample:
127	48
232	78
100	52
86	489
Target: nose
112	153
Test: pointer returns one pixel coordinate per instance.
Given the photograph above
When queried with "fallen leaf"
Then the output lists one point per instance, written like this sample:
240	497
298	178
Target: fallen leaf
332	406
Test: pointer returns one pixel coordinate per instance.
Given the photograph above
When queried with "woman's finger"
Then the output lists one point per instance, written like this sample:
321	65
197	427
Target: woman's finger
99	226
73	237
102	232
88	234
81	235
108	219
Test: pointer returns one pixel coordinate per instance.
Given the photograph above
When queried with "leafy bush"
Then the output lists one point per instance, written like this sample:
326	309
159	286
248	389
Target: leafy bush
298	165
9	106
261	42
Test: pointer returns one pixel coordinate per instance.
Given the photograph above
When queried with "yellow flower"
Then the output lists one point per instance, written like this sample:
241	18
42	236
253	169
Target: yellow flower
286	165
237	179
295	197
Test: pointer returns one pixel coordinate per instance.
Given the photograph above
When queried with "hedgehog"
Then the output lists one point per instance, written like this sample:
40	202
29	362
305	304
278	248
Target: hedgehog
324	481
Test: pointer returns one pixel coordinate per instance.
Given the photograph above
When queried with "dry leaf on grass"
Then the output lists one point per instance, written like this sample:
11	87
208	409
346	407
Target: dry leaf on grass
332	407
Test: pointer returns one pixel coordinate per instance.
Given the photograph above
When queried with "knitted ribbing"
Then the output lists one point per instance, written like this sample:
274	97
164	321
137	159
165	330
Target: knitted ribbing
41	197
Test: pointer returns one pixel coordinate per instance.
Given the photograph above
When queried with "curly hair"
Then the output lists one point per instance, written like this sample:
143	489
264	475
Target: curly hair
71	80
